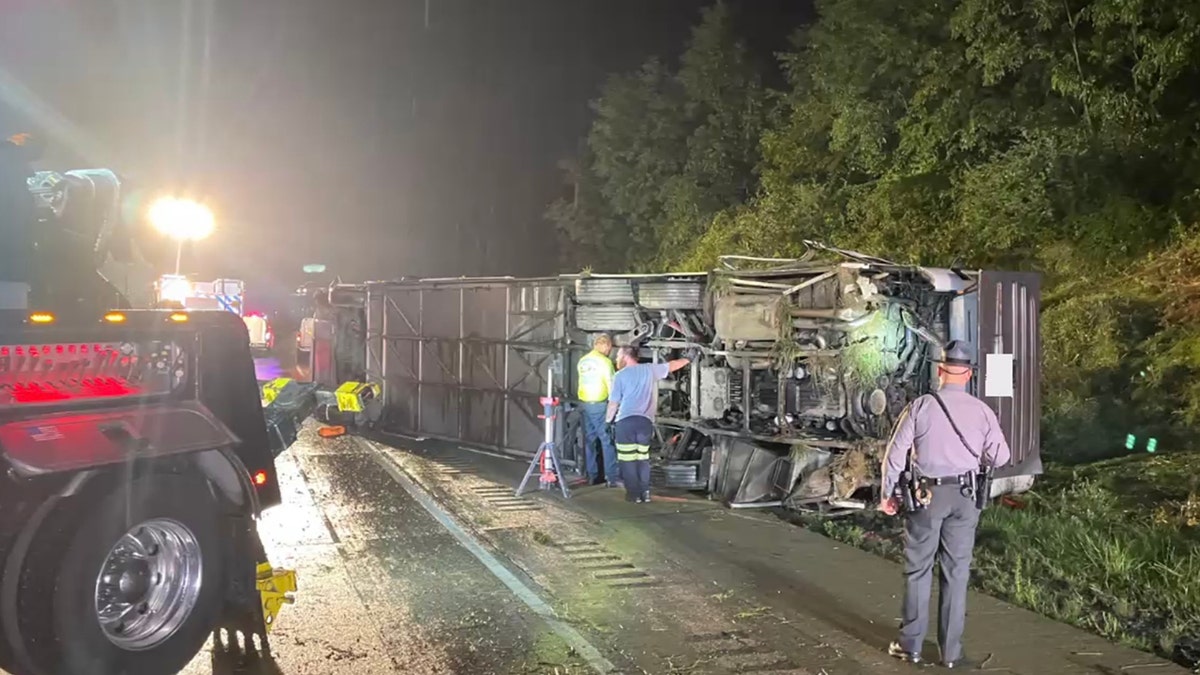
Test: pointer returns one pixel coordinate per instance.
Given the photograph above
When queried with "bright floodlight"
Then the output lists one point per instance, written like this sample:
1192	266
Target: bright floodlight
173	288
182	219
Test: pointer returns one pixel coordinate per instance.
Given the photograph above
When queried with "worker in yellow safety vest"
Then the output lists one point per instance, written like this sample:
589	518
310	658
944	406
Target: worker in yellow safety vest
595	379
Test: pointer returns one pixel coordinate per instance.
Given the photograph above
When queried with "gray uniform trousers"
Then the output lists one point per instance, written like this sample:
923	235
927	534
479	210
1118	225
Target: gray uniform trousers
946	528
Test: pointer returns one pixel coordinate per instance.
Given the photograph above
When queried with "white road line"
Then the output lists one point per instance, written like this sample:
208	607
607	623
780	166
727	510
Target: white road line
496	454
477	451
569	635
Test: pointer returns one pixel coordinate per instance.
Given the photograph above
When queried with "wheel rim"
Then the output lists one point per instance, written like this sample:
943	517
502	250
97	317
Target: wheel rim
148	584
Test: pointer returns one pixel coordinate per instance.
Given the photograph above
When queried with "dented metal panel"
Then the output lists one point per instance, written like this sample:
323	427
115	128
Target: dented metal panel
1009	305
466	359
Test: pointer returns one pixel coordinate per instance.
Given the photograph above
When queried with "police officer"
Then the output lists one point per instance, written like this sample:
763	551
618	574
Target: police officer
948	435
595	372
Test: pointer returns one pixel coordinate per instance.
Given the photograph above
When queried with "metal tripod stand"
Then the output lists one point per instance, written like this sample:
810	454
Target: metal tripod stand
545	460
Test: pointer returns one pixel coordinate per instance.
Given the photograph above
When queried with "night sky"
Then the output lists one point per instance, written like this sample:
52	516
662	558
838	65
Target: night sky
343	132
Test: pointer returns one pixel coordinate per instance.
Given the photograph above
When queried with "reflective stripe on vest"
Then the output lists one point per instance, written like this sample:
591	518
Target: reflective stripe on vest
631	452
595	372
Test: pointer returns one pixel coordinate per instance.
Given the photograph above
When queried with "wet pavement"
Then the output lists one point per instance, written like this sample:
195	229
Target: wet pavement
270	367
424	561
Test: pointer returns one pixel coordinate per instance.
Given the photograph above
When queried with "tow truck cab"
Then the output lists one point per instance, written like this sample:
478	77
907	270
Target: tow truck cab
134	463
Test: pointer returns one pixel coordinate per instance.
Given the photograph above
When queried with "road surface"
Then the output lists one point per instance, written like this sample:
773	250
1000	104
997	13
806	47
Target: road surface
423	561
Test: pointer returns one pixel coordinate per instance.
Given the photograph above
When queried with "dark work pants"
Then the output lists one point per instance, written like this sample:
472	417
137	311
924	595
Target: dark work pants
946	530
633	454
636	475
596	431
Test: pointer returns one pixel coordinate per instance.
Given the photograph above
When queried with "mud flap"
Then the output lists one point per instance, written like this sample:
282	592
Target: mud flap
242	629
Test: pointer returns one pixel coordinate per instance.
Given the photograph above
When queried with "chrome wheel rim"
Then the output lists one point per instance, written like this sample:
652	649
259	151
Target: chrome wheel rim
148	584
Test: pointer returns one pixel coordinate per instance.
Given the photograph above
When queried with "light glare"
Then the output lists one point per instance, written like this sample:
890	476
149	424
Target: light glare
175	289
182	219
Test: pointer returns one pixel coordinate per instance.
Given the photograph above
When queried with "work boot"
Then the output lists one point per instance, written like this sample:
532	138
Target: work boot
895	650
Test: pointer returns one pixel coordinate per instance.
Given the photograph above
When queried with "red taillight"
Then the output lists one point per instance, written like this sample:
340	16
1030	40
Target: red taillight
42	392
260	478
40	374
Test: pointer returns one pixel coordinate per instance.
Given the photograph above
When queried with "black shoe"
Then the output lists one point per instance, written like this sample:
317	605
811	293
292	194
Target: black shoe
645	497
614	484
895	650
950	664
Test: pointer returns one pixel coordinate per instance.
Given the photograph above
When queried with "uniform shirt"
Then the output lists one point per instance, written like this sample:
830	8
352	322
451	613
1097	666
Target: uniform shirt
595	377
635	390
939	452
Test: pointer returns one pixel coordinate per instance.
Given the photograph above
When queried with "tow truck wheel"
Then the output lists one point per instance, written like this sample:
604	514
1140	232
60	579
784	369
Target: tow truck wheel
138	587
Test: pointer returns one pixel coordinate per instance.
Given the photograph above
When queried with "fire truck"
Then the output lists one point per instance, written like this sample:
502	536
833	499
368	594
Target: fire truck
176	290
135	462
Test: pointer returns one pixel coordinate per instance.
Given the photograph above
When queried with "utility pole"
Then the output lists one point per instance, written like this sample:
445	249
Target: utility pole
182	100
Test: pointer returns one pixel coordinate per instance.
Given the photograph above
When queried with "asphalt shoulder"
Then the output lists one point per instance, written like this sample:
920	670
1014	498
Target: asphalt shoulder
796	584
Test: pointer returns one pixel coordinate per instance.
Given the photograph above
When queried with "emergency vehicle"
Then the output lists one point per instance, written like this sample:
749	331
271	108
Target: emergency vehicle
176	290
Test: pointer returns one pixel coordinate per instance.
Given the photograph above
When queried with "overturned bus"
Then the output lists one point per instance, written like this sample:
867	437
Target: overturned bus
805	364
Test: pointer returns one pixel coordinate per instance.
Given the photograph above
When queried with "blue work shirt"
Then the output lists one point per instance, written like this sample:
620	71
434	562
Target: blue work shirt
635	391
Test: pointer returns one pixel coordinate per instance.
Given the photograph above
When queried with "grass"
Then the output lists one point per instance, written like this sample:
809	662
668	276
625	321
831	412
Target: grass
1111	547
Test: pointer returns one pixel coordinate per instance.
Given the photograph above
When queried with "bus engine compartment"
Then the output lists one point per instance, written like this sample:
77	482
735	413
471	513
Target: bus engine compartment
804	366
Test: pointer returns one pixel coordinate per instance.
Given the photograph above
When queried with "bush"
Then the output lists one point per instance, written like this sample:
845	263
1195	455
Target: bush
1077	555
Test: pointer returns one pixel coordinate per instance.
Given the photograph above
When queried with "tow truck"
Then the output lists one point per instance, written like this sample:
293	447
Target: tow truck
135	462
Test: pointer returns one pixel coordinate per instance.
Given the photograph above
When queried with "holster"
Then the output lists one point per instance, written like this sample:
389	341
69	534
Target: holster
983	487
912	492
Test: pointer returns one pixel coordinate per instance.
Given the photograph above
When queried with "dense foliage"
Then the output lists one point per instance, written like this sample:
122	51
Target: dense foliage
1055	135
